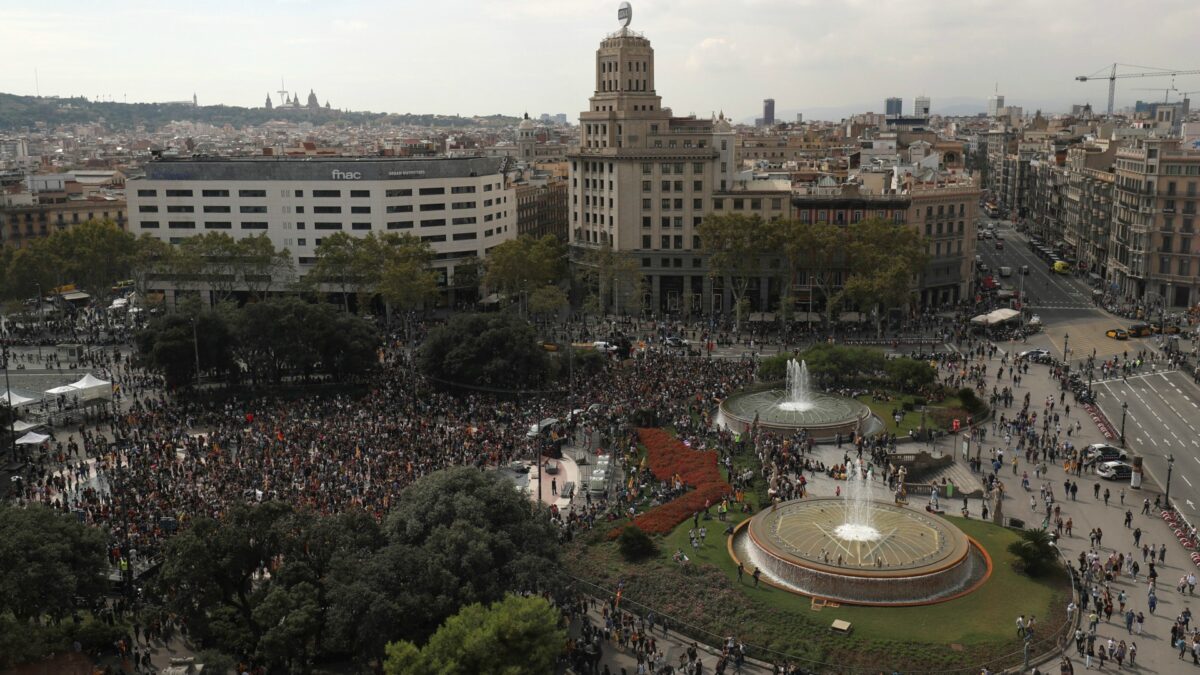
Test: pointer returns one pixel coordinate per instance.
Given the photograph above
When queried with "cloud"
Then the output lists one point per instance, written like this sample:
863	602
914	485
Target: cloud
713	53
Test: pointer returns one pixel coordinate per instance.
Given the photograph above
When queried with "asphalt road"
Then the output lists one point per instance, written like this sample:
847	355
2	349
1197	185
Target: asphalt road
1163	419
1053	296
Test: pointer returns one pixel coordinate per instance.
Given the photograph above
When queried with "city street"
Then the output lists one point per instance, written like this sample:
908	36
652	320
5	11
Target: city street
1161	420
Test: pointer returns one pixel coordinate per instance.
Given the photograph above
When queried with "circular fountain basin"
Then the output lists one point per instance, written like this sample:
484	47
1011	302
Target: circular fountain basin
902	557
824	416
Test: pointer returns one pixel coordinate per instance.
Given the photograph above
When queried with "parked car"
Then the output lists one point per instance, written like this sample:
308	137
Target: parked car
1140	330
1103	452
1114	470
1116	334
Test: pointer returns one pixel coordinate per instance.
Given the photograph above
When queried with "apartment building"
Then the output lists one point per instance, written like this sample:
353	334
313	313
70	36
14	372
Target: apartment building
21	223
1154	257
461	206
642	179
542	208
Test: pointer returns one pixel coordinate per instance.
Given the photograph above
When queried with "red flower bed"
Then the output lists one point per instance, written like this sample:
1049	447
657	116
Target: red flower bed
667	456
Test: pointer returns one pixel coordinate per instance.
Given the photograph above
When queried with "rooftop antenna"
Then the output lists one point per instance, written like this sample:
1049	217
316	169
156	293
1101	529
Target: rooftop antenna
283	92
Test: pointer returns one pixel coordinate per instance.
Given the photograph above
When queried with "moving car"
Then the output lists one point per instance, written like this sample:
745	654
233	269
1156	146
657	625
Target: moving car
1006	271
999	244
1060	267
1169	329
1116	334
1140	330
675	341
1034	353
606	347
1103	452
1115	470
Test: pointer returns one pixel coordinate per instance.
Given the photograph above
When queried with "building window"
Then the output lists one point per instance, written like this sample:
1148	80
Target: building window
646	222
142	208
645	241
214	193
254	225
299	194
252	193
360	209
398	193
400	225
464	236
149	224
434	238
218	225
463	205
718	204
360	226
300	226
433	207
147	193
179	193
327	209
216	208
432	191
399	208
327	193
181	225
327	226
436	222
252	209
172	209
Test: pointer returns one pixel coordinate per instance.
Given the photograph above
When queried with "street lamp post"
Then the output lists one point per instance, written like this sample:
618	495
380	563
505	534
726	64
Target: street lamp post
1124	409
1170	465
12	409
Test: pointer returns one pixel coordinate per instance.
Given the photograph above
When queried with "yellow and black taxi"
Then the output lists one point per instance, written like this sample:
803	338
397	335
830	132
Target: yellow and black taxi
1117	334
1140	330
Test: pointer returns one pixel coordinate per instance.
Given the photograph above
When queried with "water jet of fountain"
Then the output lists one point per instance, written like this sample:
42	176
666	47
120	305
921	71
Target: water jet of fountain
799	396
857	500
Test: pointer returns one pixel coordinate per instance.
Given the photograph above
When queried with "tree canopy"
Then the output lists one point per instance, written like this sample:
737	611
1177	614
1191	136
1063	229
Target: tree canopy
525	264
93	255
53	564
485	350
737	246
515	636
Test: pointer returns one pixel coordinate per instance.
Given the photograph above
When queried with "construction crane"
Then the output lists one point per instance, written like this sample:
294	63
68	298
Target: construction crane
1113	76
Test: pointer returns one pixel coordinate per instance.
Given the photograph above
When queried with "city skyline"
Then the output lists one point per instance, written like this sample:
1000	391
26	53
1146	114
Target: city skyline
526	55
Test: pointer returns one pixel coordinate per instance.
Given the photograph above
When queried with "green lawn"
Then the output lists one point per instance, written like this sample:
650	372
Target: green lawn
912	418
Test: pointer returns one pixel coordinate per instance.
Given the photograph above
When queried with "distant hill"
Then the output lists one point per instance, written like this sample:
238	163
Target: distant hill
24	112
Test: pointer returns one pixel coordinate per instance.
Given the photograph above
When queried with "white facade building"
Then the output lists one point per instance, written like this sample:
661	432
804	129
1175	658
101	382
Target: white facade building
461	206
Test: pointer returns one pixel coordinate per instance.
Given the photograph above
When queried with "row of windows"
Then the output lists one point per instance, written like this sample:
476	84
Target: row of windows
208	225
321	194
668	241
670	221
949	228
668	186
672	167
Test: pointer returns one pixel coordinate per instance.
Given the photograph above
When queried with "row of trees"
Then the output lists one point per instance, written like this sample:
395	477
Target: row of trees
871	265
264	341
347	586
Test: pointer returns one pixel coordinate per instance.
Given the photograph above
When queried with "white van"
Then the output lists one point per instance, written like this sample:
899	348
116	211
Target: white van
1006	271
598	483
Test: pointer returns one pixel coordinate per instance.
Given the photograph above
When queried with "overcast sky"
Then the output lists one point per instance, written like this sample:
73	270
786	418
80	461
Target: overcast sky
508	56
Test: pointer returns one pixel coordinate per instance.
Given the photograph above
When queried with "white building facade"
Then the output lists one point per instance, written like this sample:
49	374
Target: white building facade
461	206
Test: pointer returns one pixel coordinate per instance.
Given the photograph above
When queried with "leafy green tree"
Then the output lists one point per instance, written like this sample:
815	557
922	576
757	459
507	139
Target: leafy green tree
468	274
53	565
337	265
885	260
612	278
262	267
547	301
524	264
635	544
406	279
171	343
210	576
514	636
737	246
1035	552
910	375
455	537
489	350
814	254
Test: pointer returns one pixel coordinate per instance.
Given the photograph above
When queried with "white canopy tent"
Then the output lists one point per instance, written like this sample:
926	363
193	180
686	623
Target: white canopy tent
21	426
59	391
91	387
32	438
12	400
995	317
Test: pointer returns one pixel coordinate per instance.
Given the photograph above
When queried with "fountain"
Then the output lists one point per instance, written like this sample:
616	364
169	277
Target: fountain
856	550
797	406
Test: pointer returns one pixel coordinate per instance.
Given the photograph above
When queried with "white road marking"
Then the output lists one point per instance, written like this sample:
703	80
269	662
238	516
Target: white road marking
1186	480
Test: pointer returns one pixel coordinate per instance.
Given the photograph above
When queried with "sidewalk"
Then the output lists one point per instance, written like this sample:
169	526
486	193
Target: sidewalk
1155	655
